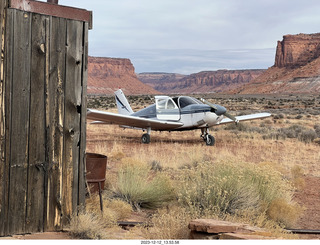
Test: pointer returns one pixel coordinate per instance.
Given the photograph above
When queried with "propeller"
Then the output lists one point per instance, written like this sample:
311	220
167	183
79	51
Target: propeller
220	110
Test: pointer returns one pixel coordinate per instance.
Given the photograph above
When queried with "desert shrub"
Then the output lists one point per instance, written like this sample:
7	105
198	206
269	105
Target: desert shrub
227	188
299	132
113	209
283	212
292	131
307	136
317	129
141	187
277	135
92	224
169	224
239	127
278	116
244	127
266	121
87	225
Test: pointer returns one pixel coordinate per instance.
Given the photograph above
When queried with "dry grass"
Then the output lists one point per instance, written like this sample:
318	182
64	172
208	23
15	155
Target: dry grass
94	224
284	213
140	186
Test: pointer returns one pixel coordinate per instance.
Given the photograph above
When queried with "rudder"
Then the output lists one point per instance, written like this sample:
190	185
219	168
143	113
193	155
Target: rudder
123	105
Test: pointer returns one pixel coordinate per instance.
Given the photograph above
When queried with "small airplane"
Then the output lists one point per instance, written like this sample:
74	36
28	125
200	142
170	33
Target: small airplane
170	114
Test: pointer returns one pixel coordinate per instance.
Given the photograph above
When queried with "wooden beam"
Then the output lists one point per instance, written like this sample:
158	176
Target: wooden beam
53	10
19	142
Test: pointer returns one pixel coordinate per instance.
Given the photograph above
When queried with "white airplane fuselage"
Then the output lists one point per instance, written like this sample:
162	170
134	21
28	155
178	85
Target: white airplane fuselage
191	116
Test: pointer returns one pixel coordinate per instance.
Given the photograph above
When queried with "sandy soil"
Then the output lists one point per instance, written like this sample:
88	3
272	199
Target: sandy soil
309	199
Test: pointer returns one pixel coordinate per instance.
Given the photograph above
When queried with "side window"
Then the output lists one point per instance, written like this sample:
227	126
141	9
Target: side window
170	104
161	104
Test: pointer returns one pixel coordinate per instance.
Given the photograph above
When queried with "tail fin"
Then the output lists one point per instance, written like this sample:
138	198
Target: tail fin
123	105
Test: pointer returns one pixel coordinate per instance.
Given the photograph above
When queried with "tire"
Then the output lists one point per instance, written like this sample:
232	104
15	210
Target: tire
210	140
145	139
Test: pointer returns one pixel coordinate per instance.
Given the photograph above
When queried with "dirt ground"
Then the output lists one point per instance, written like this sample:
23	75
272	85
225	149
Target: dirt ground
309	198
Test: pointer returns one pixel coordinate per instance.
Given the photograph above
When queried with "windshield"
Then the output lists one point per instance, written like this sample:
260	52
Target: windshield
184	101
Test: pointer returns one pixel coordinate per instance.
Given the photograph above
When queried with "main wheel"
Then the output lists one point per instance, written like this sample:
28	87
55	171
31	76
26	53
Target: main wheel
210	140
145	139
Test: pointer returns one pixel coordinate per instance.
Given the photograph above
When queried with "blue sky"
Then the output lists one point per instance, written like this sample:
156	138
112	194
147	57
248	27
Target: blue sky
188	36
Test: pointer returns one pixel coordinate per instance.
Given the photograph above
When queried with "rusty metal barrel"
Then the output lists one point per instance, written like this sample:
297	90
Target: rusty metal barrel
96	165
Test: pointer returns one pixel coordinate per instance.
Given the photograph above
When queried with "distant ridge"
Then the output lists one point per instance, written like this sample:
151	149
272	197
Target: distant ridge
202	82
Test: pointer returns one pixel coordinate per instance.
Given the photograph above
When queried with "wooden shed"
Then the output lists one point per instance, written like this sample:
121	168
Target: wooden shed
44	51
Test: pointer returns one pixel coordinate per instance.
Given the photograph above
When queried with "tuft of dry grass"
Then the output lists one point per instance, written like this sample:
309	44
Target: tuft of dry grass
92	224
169	224
138	185
87	225
284	213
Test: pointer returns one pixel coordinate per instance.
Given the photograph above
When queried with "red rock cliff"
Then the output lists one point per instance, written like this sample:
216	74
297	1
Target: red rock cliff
297	50
106	75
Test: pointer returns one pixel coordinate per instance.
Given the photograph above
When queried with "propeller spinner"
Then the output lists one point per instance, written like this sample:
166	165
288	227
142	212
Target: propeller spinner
220	110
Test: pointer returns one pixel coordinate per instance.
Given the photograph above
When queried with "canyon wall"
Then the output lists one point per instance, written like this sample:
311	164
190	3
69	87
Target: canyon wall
106	75
297	50
202	82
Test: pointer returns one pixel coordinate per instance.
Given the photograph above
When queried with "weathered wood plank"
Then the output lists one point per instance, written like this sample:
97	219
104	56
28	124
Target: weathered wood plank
20	121
55	124
83	117
8	63
213	226
37	129
3	166
72	112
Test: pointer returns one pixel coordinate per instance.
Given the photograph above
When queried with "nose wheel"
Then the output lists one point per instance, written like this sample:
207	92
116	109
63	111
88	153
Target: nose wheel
208	138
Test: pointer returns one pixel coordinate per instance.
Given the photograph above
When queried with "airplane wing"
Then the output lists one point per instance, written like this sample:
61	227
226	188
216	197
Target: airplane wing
131	121
246	118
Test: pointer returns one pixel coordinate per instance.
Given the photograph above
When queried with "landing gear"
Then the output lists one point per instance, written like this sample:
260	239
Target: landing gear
145	139
208	138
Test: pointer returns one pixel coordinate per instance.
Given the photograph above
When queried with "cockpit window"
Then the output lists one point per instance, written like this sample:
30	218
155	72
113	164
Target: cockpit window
161	104
184	101
170	104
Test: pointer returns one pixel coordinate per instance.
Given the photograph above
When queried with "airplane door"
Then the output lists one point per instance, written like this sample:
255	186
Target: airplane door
167	109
